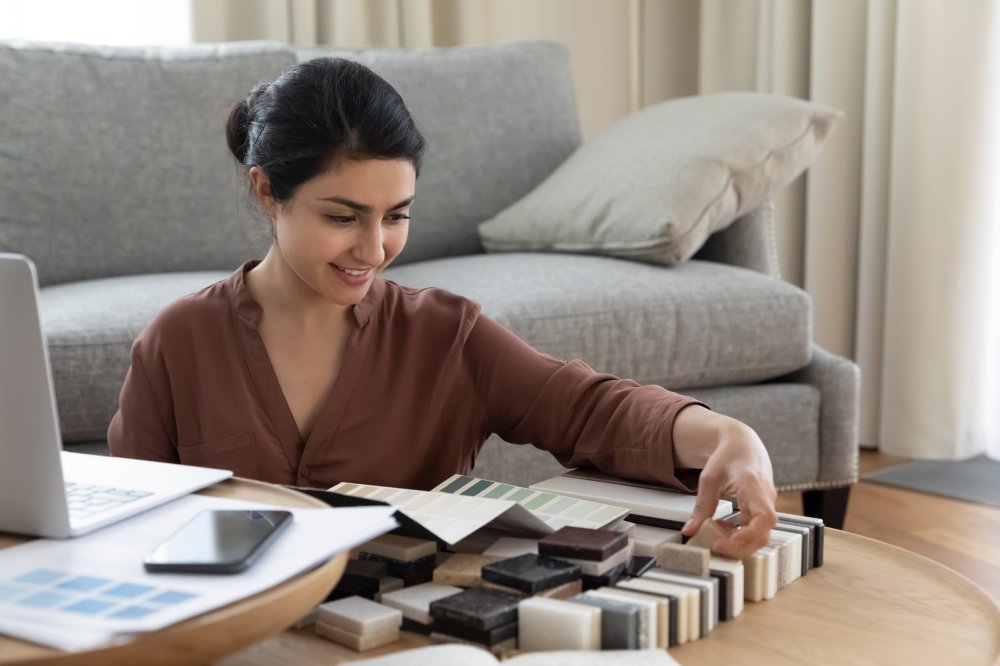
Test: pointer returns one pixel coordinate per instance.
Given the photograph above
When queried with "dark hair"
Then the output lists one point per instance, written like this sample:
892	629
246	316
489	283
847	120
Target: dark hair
317	113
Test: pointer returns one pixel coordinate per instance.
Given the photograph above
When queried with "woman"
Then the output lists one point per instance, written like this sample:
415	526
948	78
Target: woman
308	368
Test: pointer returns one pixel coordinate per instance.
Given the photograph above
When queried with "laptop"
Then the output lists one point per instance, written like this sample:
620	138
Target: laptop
45	491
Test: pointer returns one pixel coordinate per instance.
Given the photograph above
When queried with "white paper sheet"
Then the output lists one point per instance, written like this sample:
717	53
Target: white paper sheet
81	593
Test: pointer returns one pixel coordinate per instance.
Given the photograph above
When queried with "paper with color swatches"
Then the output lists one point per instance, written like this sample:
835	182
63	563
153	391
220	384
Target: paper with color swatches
553	509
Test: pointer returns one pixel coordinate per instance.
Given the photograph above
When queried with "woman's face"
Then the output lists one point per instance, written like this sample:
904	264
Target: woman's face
343	226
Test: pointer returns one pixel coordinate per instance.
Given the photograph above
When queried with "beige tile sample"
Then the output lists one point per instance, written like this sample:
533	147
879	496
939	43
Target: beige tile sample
683	558
359	615
463	569
554	624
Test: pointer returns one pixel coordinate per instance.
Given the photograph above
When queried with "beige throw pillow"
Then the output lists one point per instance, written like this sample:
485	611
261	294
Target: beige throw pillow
656	184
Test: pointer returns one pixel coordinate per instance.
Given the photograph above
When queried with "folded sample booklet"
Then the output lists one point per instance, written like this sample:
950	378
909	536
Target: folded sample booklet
461	505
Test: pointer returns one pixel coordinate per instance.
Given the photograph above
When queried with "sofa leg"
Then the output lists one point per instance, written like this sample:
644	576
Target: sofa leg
829	504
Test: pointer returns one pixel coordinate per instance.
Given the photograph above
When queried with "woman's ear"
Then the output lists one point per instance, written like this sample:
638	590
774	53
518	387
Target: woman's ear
261	186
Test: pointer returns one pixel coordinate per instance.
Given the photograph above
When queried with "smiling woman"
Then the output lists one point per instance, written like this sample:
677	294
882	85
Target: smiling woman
309	368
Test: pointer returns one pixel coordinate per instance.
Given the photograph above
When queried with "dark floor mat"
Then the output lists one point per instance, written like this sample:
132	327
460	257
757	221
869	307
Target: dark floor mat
974	480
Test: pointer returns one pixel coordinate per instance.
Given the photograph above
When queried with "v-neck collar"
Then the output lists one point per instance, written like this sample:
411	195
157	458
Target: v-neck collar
272	398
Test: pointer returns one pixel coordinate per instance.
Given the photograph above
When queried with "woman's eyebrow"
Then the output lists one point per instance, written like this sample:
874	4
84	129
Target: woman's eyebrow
365	208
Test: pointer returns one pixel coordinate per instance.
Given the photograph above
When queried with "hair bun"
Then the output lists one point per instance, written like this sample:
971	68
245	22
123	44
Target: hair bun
241	118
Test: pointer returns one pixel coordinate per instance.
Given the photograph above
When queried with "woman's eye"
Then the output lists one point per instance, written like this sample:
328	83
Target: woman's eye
399	217
340	219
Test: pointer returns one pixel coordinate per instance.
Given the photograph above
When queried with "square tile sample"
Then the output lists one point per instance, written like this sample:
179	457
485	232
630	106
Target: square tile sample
359	615
478	608
582	543
554	624
531	573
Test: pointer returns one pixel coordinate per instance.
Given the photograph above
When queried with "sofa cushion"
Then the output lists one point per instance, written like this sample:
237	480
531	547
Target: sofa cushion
657	183
697	324
114	160
497	119
90	327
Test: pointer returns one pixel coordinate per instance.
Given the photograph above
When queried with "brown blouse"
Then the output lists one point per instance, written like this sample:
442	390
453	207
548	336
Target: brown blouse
425	379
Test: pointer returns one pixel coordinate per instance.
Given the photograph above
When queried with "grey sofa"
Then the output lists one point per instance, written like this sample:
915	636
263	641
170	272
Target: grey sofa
115	180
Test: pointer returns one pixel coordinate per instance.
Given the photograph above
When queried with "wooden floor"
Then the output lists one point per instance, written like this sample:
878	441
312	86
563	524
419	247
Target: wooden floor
962	535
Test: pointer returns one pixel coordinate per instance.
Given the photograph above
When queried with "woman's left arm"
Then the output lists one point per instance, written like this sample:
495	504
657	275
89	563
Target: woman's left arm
734	463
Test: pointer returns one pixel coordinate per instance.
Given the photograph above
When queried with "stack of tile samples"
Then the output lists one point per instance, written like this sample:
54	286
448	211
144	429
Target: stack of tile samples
624	586
602	555
358	623
478	616
412	560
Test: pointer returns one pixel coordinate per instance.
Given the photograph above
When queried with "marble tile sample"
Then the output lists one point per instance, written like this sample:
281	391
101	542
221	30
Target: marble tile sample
531	573
463	569
621	621
359	615
683	558
415	601
354	641
582	543
555	624
477	607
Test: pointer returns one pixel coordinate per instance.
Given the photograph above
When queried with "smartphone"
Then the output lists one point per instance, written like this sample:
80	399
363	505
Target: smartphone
218	542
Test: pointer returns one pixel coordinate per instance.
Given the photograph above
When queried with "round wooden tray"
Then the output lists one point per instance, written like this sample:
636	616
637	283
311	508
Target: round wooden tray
213	635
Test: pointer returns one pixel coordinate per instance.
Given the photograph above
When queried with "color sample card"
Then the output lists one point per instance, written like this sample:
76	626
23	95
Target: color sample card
451	517
74	595
553	509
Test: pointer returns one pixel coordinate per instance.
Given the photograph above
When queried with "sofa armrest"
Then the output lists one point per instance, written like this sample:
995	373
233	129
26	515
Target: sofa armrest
748	242
839	382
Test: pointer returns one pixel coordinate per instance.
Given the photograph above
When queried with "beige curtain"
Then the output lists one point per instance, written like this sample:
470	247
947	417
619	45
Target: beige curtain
889	232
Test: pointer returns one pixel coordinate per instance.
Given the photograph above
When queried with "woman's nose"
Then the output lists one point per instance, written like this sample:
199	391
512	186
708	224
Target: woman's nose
369	247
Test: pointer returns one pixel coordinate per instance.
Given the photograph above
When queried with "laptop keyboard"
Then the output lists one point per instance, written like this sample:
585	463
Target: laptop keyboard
85	500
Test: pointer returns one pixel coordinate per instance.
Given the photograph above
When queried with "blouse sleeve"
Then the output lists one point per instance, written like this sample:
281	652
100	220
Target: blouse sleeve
140	429
584	418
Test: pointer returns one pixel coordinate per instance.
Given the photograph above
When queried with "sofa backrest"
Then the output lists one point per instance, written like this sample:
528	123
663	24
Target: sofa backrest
498	119
113	161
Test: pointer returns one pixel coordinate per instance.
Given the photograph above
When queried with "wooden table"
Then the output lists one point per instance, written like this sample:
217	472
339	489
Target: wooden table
870	603
208	637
